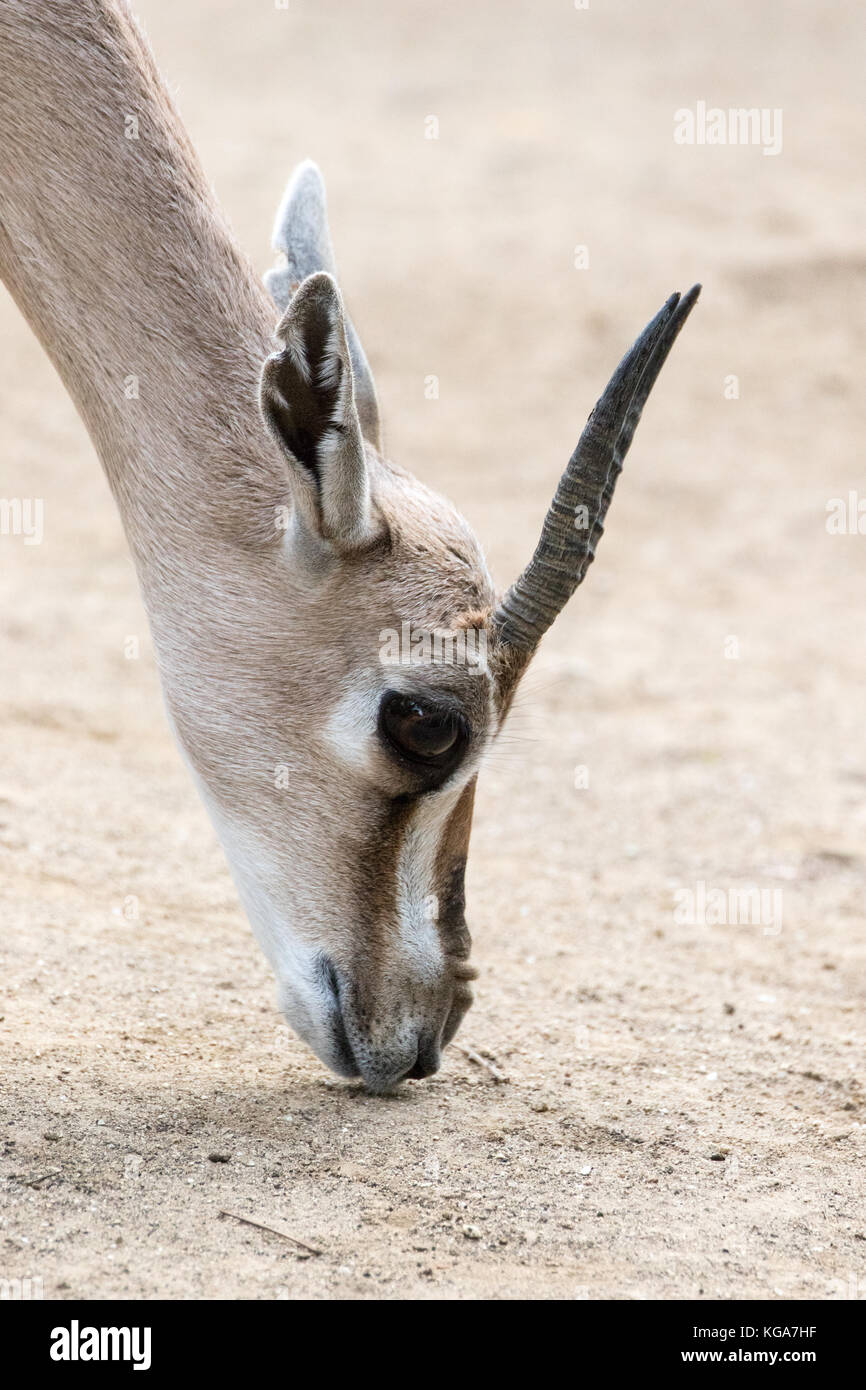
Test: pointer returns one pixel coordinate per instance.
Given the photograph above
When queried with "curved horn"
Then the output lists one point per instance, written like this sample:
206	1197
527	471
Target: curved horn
574	523
301	233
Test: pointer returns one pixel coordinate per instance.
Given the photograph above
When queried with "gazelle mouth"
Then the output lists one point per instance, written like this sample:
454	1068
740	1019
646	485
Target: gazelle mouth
381	1071
460	1006
344	1058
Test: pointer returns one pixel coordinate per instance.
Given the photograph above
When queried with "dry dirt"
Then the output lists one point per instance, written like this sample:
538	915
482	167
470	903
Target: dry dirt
684	1111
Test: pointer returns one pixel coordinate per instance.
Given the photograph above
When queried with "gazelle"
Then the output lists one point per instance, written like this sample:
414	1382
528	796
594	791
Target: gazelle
273	541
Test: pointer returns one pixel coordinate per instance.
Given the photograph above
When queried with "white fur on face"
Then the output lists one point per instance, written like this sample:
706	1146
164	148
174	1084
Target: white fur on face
304	998
351	726
417	906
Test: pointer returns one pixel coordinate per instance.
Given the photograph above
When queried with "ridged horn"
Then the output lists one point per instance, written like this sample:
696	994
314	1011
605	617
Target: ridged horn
575	520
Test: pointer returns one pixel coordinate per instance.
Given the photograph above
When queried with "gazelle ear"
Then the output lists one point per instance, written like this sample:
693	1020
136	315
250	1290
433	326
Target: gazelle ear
307	402
302	238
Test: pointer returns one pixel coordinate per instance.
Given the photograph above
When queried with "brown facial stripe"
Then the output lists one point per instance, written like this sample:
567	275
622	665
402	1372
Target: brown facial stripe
376	891
376	881
448	876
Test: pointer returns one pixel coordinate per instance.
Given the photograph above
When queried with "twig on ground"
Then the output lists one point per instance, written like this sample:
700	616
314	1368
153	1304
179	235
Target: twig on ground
34	1182
274	1230
498	1076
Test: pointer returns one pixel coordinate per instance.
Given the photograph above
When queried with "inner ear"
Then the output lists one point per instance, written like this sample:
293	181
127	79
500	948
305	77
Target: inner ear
312	379
308	405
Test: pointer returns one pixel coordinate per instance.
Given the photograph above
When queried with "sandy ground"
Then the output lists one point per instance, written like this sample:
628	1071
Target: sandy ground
684	1111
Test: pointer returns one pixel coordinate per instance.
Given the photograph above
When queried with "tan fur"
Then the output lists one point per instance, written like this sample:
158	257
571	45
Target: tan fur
119	258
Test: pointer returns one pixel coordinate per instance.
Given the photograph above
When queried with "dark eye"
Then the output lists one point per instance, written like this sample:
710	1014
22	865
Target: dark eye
424	733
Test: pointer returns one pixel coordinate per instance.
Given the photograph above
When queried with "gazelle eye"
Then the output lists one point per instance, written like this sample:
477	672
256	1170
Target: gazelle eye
419	731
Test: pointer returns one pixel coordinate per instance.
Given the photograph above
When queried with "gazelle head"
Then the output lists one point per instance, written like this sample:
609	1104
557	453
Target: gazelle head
344	797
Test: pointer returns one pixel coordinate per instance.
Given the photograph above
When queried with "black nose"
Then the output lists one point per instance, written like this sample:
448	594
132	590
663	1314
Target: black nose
382	1063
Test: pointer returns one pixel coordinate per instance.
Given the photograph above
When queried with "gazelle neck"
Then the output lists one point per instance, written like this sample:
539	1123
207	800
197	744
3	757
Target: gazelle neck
113	247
